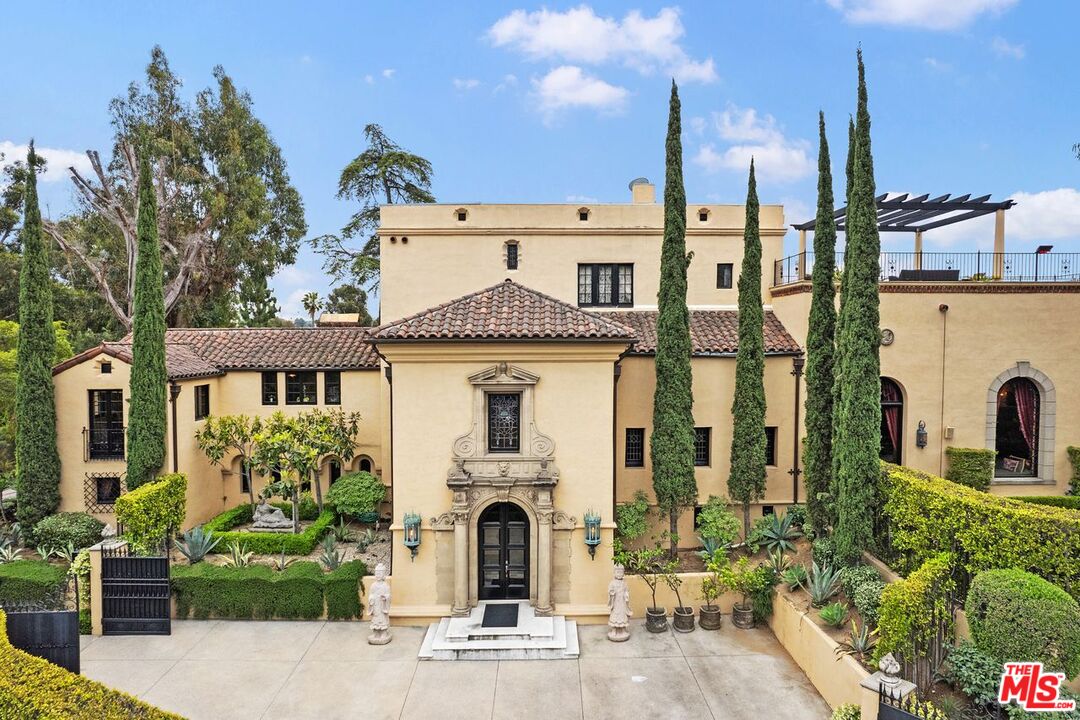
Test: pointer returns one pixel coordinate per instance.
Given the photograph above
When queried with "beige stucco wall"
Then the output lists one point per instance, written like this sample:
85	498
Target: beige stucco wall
443	259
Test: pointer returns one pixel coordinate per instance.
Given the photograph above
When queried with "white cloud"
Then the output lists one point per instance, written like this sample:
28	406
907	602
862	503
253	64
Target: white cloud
579	35
466	83
581	199
293	307
58	160
569	86
936	65
388	73
926	14
777	158
509	80
697	124
1038	218
369	79
1004	48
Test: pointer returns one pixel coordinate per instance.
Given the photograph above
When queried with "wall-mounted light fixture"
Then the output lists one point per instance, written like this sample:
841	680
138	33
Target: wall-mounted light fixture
920	434
592	531
411	522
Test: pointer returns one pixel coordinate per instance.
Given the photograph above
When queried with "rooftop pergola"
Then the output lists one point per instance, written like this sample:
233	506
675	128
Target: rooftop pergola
904	213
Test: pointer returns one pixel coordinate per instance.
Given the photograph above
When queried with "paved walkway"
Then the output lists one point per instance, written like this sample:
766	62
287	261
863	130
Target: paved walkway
297	670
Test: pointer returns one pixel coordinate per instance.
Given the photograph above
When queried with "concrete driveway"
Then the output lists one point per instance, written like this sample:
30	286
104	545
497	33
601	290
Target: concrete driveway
297	670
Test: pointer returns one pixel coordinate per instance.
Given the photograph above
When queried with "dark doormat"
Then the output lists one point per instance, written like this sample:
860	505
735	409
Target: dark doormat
500	615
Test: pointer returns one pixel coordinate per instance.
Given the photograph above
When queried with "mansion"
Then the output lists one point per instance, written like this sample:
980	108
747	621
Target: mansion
509	390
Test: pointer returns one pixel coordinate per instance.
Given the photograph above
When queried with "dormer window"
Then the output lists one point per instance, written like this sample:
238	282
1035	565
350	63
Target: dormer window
512	255
461	214
106	368
703	215
583	214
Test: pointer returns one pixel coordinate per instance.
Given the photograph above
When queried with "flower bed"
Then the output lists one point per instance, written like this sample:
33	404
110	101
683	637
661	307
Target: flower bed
270	543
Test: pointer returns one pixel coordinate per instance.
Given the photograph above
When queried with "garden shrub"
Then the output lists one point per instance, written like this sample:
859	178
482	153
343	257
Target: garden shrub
850	711
267	543
301	591
928	515
867	601
1015	615
1074	460
356	493
909	607
716	522
76	528
973	467
978	676
851	578
823	551
241	514
153	510
32	688
632	518
797	513
1071	502
31	581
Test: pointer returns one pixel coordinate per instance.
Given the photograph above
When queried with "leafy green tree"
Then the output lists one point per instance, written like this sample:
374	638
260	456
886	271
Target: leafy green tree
12	191
672	441
220	435
278	448
146	397
385	173
331	433
349	299
746	481
312	304
858	438
226	206
37	462
256	305
820	349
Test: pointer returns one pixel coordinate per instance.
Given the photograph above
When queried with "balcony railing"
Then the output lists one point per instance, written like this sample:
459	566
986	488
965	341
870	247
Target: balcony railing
103	443
948	267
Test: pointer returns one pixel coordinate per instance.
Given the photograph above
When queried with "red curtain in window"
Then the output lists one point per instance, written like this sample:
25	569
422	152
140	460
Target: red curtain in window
890	413
1025	394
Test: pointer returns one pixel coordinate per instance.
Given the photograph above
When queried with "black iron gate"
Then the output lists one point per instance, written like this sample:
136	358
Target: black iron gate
134	593
49	634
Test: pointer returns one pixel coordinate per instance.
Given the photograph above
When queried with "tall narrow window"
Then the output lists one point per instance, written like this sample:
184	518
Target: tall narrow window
105	436
1017	432
202	401
770	446
504	422
635	447
301	388
511	256
269	388
332	387
609	285
892	421
365	464
724	275
702	443
335	471
245	477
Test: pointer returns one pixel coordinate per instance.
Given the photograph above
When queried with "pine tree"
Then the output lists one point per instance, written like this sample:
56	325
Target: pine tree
37	462
858	437
672	441
820	348
746	481
146	408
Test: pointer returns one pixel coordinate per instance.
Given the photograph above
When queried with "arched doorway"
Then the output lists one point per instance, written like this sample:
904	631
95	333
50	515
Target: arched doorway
892	421
1017	431
503	530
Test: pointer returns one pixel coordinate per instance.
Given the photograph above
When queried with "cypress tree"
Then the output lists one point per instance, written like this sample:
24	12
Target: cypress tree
672	441
37	462
746	481
146	409
858	438
820	348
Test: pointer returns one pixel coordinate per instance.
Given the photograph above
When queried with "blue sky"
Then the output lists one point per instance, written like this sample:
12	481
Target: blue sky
563	102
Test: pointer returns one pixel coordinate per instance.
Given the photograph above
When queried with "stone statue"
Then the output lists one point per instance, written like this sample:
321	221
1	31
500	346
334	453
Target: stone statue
619	604
890	670
379	606
268	517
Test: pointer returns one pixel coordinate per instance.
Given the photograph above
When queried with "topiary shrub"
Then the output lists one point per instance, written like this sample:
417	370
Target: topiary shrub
1074	460
267	543
33	582
973	467
153	510
908	608
1072	502
823	551
342	591
75	528
1017	616
851	578
356	493
867	601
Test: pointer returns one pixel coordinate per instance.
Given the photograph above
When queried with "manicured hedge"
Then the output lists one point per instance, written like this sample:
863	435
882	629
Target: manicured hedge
241	514
75	528
1015	615
301	591
1074	460
1072	502
908	606
267	543
928	515
34	689
30	581
152	510
973	467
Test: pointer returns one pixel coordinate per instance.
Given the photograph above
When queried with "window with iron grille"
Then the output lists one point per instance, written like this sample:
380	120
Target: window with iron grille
504	422
770	446
610	285
107	489
724	275
702	443
301	388
269	388
332	387
511	256
245	477
635	447
202	401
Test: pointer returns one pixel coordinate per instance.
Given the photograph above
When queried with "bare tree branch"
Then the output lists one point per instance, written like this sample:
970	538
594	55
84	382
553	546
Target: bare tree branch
71	248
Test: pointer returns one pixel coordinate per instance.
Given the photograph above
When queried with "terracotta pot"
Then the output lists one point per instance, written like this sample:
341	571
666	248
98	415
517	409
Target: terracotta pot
742	616
684	619
656	620
710	617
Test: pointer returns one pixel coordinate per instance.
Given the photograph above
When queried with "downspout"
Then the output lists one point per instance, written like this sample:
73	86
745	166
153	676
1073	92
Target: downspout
944	310
797	364
174	392
389	373
615	428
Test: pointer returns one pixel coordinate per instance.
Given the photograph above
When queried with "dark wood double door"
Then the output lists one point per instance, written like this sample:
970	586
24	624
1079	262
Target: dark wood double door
504	553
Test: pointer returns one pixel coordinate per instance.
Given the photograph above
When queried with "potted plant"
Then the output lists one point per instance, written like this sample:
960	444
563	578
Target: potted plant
647	563
712	587
683	618
746	581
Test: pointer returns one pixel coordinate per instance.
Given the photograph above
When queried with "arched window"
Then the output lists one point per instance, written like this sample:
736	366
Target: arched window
892	421
1017	435
334	467
583	214
365	464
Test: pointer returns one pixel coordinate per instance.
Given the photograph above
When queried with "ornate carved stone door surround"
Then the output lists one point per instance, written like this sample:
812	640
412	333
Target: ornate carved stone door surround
479	477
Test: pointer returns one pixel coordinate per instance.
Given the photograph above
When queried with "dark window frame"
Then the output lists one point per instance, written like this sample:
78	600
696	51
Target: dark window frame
330	398
511	444
615	297
245	477
333	471
299	394
725	282
771	434
702	446
270	387
634	451
114	481
512	255
106	368
202	401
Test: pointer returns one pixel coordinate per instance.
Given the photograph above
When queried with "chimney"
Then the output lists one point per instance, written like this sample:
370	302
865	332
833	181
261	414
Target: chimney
642	192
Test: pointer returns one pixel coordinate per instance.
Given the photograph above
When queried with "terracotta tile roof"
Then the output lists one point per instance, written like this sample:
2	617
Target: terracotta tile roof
337	348
712	332
181	361
507	311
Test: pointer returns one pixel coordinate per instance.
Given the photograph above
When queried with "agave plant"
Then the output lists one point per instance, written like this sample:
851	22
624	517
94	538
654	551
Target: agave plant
330	558
342	532
709	547
366	540
823	583
283	561
45	551
197	543
834	614
794	576
779	562
779	534
860	642
239	555
9	553
67	554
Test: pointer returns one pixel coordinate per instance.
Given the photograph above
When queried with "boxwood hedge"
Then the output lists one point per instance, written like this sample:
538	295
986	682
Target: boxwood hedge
1071	502
269	543
30	581
973	467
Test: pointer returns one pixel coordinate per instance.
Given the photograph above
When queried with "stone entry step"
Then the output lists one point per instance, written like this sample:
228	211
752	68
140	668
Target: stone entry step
533	638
